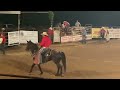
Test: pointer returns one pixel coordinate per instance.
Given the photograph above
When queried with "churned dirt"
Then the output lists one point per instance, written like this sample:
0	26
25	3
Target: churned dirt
94	60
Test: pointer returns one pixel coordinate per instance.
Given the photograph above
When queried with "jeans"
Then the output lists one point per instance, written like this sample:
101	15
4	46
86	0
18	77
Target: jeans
2	48
102	36
83	39
51	37
40	56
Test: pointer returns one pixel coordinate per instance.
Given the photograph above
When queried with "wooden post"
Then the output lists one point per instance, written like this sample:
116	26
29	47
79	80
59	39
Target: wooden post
19	27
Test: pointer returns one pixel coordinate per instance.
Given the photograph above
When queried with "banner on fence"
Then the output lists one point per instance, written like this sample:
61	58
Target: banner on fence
95	32
13	37
114	33
28	35
74	38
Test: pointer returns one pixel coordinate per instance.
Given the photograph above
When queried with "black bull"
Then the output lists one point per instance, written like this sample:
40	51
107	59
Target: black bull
49	55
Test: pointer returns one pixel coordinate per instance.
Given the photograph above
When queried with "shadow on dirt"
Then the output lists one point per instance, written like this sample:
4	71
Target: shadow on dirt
20	76
83	74
26	67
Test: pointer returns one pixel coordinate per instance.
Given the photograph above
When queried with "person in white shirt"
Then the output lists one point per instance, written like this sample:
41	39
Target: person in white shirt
107	36
77	24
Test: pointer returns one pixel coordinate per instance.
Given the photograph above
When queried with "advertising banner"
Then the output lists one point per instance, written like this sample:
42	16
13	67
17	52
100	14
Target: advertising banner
13	37
28	35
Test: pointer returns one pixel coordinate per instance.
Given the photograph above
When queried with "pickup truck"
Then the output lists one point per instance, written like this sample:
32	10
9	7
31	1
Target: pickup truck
8	27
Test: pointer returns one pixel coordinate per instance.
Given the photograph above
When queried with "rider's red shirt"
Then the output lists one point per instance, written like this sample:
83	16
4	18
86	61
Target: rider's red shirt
46	42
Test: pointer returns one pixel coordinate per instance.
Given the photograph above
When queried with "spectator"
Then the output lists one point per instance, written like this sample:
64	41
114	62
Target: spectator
84	33
107	36
2	43
77	24
66	25
51	33
102	33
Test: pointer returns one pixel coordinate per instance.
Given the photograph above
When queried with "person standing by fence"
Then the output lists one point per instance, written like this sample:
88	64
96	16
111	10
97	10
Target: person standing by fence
102	33
84	33
77	24
2	43
67	25
107	36
51	33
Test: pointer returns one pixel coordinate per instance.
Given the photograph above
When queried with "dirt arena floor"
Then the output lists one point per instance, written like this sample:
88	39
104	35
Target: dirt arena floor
95	60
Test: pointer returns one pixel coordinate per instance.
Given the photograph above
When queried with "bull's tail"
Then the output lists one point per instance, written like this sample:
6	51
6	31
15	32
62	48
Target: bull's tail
64	60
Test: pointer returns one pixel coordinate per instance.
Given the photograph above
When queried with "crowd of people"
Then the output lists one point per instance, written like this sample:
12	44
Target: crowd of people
104	33
65	26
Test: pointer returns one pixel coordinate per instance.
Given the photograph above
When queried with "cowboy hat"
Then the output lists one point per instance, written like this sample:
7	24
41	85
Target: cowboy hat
44	33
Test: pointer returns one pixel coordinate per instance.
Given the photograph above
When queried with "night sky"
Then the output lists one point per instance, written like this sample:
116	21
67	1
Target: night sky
96	18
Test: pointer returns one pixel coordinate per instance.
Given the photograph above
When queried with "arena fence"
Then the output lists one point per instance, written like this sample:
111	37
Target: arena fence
20	37
73	34
113	32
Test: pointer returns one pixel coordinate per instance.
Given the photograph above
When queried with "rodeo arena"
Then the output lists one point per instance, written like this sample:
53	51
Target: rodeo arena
76	52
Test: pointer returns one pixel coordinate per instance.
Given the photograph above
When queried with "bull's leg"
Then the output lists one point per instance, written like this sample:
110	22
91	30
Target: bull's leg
40	69
32	67
59	72
58	69
60	66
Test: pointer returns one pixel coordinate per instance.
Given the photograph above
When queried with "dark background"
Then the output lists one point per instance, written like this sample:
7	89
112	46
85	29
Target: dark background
96	18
